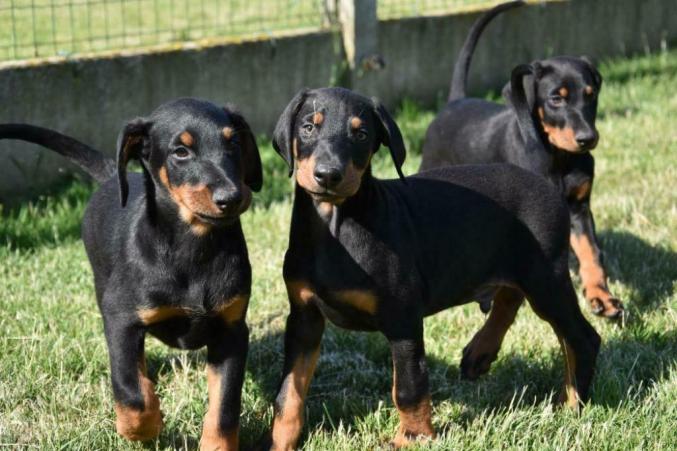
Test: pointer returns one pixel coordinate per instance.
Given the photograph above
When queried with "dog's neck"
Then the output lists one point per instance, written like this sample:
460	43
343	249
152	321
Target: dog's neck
333	214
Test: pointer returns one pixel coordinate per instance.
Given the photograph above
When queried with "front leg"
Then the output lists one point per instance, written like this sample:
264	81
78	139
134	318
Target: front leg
584	243
411	393
226	359
303	334
137	407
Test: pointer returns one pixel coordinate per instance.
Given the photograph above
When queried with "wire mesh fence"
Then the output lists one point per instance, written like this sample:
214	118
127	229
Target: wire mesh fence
37	28
41	28
393	9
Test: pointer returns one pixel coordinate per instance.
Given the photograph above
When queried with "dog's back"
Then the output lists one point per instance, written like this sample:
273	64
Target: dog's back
468	131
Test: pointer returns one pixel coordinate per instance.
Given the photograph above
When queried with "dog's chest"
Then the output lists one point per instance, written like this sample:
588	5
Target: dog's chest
355	274
199	288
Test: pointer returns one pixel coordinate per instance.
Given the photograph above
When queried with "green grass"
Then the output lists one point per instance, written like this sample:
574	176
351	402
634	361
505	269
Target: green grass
42	28
54	377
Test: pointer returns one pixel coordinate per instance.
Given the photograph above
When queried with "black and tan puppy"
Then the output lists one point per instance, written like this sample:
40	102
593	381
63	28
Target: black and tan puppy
168	254
380	255
562	97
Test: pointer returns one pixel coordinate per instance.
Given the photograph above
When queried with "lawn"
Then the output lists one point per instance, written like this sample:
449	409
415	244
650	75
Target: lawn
54	377
34	29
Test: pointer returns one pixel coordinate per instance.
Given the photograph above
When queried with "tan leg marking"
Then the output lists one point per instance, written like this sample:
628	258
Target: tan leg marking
212	437
288	421
415	421
569	395
593	277
140	425
484	346
362	300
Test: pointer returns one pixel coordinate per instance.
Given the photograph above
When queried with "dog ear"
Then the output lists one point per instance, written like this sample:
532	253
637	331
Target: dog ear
284	130
597	77
529	85
251	158
520	103
130	147
390	136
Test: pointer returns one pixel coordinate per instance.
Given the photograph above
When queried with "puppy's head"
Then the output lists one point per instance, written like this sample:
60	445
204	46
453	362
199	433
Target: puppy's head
331	135
562	94
201	157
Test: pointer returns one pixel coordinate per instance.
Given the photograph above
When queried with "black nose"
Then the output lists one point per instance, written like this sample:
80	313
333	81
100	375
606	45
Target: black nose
327	176
586	140
223	197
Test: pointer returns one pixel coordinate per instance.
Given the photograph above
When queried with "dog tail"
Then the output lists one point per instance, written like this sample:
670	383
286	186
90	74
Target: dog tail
459	79
100	167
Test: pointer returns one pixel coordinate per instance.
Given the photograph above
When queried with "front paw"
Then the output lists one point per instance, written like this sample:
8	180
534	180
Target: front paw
404	438
607	307
138	425
476	361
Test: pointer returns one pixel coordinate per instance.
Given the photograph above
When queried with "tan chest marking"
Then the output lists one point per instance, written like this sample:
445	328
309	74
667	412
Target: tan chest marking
582	191
362	300
155	315
235	309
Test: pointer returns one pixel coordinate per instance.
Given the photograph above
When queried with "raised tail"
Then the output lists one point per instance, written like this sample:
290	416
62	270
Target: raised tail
100	167
460	77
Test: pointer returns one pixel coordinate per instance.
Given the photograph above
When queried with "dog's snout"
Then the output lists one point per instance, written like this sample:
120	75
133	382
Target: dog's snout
586	140
224	197
327	176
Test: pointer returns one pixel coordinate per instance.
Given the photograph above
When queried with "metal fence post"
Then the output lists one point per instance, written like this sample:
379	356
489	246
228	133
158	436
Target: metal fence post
359	28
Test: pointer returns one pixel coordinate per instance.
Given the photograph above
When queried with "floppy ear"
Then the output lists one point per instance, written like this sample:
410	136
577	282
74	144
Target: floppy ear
251	159
390	136
529	86
593	70
129	147
520	103
284	130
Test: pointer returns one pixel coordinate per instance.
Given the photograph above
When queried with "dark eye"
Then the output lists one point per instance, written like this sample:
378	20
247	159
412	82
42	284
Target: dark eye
308	128
181	153
361	136
556	100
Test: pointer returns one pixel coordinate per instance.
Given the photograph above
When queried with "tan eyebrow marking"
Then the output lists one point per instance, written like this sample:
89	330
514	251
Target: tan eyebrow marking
318	118
186	139
588	90
228	132
355	122
564	92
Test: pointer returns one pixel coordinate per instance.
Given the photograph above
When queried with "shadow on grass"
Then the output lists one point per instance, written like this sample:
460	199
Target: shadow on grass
647	269
48	220
354	376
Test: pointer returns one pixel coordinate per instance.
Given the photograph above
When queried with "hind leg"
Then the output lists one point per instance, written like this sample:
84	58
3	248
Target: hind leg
556	303
482	350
